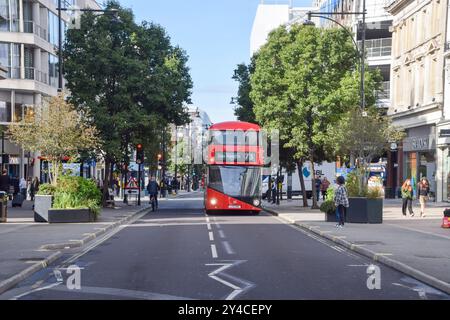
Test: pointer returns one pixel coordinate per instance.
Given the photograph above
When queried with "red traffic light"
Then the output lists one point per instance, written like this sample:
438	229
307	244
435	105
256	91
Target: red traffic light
159	156
139	146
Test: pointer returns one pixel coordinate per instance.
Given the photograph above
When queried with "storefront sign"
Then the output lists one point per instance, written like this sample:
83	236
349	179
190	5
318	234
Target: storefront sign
419	144
444	133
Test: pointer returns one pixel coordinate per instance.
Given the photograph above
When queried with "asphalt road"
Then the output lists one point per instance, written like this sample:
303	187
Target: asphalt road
179	253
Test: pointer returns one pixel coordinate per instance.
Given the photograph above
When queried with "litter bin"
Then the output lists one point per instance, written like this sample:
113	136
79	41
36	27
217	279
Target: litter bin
3	206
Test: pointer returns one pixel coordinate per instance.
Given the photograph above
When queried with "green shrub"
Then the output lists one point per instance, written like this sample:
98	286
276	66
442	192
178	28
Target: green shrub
46	190
328	205
352	184
77	193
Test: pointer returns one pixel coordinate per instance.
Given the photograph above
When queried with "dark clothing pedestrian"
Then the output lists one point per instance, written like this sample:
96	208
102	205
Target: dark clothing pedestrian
152	189
274	192
318	186
324	188
34	188
5	183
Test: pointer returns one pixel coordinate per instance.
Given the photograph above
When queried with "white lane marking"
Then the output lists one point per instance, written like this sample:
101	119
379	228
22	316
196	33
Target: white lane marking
133	294
207	220
222	234
214	251
208	225
237	290
228	247
211	236
36	290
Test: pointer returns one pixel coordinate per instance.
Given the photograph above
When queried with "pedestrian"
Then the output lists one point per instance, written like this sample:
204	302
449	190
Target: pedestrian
424	191
318	186
23	187
152	189
34	188
407	196
274	191
324	187
341	202
5	181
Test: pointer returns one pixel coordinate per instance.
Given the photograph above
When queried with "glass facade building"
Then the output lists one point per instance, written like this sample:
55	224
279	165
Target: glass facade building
29	40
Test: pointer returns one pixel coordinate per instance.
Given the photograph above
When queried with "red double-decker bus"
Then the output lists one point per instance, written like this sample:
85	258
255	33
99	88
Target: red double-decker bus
235	162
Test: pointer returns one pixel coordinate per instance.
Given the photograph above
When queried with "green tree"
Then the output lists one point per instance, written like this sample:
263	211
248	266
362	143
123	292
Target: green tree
364	135
301	87
57	131
244	109
128	77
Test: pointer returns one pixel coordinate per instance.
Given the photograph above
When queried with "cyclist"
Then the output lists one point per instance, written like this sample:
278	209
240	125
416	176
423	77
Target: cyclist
152	189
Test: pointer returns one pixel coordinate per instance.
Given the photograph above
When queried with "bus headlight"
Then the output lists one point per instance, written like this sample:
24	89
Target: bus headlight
256	202
213	202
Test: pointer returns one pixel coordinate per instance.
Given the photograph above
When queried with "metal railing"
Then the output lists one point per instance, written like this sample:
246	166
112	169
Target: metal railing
378	47
37	75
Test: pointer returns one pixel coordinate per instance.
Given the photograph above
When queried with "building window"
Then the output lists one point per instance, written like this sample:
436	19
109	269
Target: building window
53	68
10	59
5	112
9	15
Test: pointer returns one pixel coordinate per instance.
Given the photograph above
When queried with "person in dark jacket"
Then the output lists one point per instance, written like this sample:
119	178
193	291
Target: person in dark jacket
152	189
5	181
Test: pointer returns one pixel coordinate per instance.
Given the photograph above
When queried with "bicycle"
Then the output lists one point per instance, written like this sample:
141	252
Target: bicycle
153	202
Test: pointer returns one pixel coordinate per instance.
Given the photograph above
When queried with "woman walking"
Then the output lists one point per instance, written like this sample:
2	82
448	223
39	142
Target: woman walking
324	187
407	196
424	191
341	202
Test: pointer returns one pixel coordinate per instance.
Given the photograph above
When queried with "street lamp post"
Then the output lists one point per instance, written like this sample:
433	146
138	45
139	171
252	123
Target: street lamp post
60	33
361	53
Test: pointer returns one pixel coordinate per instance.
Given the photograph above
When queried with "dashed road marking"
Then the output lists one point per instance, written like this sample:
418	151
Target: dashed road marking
214	251
211	236
221	234
228	248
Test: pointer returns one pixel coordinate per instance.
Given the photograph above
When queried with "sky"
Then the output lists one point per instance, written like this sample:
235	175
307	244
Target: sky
215	35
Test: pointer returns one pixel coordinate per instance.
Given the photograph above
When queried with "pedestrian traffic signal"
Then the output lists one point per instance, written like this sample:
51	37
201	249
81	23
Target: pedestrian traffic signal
139	154
160	162
5	158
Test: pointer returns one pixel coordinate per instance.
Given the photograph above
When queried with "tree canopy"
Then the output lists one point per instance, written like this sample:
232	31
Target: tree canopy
305	79
128	77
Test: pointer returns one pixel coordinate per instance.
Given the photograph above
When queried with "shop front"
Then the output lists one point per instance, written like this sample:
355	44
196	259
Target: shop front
419	160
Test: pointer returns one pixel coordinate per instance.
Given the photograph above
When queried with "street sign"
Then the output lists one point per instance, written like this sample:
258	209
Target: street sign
132	192
132	184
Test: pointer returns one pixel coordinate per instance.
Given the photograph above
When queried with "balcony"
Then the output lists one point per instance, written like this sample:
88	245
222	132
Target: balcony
31	27
33	74
377	48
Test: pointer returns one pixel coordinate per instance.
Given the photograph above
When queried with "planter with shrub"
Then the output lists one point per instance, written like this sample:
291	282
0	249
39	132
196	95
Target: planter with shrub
328	207
366	203
74	200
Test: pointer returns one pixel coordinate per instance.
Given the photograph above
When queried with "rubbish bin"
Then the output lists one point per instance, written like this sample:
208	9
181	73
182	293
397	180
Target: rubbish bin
3	206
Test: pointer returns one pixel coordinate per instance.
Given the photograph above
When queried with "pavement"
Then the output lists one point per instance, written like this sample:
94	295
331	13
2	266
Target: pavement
27	247
415	246
180	253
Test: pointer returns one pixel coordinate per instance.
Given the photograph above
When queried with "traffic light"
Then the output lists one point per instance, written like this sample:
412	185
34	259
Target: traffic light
5	158
160	162
139	154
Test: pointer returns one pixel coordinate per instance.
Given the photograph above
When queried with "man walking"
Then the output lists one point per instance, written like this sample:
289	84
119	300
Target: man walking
341	202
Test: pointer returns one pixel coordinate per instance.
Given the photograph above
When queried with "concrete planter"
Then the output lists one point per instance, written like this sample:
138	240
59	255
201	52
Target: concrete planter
70	216
364	210
331	216
42	204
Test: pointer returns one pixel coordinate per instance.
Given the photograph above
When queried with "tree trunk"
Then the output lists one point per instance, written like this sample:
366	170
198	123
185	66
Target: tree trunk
313	183
106	181
302	183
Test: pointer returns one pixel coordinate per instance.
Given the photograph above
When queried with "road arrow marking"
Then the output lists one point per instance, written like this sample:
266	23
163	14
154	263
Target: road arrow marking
244	286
